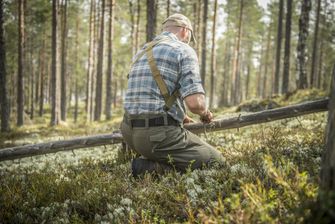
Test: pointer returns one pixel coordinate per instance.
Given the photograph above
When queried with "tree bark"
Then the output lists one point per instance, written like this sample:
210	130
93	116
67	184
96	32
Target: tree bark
55	116
108	109
43	77
320	66
168	3
151	19
286	70
98	96
315	44
278	49
301	49
260	72
63	61
217	125
235	72
32	82
76	91
132	27
266	65
213	57
4	101
21	53
137	28
199	26
90	62
328	158
204	43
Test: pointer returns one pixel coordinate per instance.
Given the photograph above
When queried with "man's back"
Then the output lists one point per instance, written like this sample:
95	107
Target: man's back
178	66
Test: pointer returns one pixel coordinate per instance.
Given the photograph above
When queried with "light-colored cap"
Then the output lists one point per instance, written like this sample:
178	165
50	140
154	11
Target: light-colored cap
181	21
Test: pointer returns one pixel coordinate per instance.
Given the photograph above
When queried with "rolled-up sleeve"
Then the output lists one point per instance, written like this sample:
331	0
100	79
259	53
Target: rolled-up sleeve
190	81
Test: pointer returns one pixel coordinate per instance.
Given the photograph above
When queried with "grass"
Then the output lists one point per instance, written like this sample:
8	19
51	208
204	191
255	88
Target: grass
272	178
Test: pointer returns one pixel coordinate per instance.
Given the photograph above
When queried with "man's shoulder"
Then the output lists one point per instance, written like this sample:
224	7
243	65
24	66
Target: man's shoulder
179	47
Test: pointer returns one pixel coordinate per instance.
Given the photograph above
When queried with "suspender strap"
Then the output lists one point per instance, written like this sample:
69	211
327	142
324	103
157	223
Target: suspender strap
169	99
149	46
157	76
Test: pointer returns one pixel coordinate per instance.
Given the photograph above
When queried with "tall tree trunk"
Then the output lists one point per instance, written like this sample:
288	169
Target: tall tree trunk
76	91
4	102
168	3
55	116
301	49
90	62
315	44
226	75
320	67
328	166
43	77
278	49
235	73
32	82
98	96
137	28
266	64
199	25
132	30
151	19
204	43
38	77
21	44
213	57
63	60
108	108
260	72
286	70
249	63
247	82
115	93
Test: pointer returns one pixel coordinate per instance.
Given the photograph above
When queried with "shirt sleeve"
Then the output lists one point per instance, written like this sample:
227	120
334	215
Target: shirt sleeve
190	81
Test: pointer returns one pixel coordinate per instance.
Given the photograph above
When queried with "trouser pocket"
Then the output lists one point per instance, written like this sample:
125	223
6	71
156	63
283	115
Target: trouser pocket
157	140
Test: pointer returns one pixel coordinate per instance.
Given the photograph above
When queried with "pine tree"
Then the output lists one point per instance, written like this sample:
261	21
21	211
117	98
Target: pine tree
21	53
98	96
151	19
110	62
301	49
213	57
286	70
204	43
279	42
4	103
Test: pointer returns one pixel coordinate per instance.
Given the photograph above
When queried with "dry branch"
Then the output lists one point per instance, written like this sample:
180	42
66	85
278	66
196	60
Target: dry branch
217	125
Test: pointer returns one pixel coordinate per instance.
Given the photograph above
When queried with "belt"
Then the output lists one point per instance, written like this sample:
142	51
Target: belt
152	122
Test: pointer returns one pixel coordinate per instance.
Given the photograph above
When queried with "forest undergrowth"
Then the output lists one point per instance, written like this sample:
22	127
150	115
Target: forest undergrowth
272	177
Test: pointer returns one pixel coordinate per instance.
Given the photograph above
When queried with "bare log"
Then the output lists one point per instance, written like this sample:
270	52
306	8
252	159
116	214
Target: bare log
217	125
262	116
56	146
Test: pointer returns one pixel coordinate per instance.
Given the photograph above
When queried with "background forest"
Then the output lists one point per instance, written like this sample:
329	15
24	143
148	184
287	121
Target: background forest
63	73
67	57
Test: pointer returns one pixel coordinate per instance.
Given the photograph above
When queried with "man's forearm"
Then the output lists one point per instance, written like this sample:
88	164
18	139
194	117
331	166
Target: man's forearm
196	103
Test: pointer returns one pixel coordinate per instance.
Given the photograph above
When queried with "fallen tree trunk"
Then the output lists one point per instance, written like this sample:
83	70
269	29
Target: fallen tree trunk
217	125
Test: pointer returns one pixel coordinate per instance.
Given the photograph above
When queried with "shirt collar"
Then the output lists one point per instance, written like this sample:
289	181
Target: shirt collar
167	34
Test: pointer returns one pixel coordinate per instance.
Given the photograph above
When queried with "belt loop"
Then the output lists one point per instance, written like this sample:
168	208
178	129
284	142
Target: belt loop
165	120
146	122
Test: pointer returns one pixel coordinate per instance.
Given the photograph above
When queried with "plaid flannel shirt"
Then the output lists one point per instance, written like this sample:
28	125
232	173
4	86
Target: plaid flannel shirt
177	62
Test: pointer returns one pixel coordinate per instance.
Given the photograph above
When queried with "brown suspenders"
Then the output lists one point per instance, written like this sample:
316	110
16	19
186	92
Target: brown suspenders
169	99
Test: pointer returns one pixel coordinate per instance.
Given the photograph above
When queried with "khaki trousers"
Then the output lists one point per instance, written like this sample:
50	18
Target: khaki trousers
171	145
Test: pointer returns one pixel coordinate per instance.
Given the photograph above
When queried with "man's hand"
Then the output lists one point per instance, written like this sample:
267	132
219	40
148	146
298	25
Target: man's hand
188	120
207	117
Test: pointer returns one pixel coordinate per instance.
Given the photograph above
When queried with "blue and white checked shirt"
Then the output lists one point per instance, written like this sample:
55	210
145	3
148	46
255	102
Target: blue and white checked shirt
177	62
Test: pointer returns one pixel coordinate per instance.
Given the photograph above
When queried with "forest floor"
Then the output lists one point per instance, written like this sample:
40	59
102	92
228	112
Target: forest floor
272	177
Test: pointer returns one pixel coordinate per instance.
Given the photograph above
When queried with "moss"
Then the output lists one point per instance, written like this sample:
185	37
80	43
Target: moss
272	178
